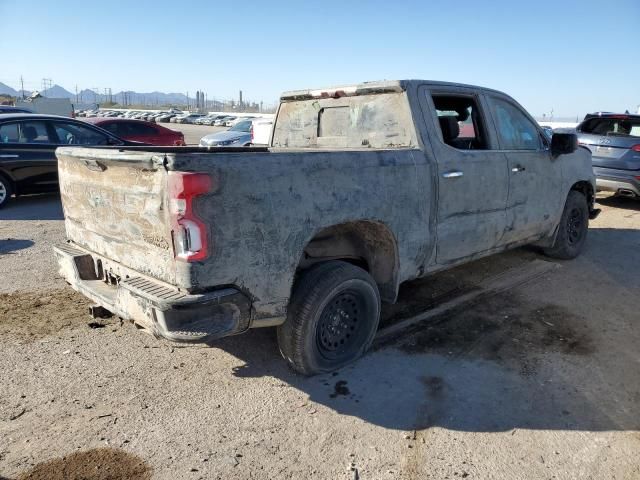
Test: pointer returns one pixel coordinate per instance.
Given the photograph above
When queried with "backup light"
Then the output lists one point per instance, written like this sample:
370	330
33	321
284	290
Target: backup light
190	242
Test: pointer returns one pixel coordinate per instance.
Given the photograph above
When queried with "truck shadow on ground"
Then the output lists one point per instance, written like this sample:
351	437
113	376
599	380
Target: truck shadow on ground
33	207
499	364
624	203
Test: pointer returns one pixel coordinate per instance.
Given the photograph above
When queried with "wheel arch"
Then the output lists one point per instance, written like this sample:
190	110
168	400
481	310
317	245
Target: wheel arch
7	176
586	188
368	244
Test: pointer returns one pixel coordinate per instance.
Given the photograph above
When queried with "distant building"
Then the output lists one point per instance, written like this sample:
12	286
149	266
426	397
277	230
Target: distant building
50	106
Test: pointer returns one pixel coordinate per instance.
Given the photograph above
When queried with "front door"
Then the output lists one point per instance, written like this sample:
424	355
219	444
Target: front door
472	178
535	178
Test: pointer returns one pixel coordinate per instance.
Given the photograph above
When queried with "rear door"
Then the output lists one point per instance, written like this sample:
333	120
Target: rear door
141	132
27	155
472	178
614	141
535	179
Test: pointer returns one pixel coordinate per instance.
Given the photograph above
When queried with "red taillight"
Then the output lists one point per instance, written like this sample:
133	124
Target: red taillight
636	148
179	143
190	242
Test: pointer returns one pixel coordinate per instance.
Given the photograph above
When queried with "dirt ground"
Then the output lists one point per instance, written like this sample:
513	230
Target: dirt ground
538	382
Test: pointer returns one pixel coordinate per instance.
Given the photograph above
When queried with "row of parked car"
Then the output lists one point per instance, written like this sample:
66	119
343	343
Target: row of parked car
171	116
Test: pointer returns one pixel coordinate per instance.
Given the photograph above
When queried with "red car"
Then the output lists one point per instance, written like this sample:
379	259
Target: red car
139	131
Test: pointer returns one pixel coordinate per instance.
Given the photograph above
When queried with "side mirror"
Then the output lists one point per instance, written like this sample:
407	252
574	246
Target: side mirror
563	143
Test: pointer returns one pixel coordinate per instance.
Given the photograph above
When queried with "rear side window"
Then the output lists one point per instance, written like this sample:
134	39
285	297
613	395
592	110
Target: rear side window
515	130
140	129
460	122
9	133
24	132
113	128
624	127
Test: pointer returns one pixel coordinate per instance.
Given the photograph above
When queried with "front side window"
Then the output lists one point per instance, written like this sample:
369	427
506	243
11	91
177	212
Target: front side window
515	130
72	134
24	132
9	133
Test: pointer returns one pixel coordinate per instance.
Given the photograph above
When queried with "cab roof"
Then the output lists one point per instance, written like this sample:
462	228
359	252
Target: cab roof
384	86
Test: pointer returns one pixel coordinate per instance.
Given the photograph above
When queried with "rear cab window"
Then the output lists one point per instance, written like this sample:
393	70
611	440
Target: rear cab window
380	120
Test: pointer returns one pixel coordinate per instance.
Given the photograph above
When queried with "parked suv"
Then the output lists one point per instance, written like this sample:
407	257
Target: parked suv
614	141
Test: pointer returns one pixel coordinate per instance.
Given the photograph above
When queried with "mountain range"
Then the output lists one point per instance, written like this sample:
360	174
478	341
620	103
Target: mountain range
89	96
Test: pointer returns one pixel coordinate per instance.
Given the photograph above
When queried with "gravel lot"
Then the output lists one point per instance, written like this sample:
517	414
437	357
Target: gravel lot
537	382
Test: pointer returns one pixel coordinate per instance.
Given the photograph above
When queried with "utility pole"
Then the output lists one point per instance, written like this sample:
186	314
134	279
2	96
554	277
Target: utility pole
46	84
76	93
22	85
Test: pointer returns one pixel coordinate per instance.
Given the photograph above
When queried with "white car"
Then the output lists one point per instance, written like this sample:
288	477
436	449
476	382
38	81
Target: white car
261	131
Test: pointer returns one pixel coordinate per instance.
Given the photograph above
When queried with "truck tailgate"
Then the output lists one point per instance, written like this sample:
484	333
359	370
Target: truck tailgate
115	205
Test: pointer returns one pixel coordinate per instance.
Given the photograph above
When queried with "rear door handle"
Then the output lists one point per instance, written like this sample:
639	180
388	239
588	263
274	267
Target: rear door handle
517	169
453	174
9	156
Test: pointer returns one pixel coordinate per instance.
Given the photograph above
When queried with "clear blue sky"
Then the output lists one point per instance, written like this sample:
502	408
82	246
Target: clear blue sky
569	55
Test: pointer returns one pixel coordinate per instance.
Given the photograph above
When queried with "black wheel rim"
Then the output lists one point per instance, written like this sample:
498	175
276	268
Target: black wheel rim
341	325
575	224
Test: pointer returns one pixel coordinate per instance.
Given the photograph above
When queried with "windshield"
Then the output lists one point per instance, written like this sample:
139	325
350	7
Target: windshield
626	127
241	127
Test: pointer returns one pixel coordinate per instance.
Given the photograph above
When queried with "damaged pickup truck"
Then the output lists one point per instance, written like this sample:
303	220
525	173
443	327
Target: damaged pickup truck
360	189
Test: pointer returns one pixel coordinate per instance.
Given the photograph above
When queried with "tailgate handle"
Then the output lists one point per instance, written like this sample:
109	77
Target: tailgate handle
95	165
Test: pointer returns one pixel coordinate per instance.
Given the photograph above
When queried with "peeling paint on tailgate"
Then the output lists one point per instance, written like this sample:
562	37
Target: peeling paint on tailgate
118	209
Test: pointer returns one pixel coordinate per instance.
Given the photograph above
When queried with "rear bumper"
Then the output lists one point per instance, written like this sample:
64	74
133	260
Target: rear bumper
158	307
618	181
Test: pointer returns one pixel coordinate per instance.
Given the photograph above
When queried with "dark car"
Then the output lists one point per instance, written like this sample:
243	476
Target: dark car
28	142
614	141
140	131
10	109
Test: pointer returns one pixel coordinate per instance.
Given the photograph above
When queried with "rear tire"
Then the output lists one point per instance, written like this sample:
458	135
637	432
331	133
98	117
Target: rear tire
332	318
572	229
6	190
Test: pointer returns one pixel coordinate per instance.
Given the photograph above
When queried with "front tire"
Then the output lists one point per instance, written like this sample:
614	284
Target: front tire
332	318
572	229
6	190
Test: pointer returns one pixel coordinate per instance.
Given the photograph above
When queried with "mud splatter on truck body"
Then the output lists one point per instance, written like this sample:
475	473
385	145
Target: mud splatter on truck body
359	173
